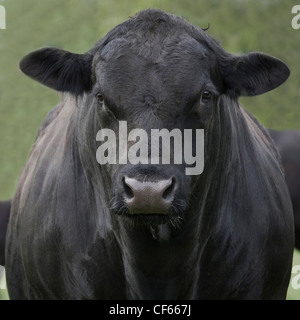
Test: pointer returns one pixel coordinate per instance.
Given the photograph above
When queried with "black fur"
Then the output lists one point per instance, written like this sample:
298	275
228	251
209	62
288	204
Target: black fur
288	144
4	218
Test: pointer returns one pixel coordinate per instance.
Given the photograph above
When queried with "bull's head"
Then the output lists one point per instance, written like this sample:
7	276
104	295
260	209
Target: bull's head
154	71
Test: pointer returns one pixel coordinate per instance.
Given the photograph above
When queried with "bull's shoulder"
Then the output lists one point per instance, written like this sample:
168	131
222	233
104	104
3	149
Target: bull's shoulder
259	130
52	114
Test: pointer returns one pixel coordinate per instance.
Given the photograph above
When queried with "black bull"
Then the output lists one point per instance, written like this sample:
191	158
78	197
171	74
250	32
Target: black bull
4	217
79	229
288	144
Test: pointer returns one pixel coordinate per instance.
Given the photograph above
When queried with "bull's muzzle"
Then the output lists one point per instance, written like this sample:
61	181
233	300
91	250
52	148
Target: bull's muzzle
144	197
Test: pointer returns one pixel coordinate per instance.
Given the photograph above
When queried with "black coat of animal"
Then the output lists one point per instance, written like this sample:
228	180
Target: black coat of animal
79	229
288	144
4	217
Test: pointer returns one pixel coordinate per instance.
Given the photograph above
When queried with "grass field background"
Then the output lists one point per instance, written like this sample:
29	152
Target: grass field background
75	25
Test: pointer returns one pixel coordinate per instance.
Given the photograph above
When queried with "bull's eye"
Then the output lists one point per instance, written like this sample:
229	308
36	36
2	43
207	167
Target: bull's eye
99	97
206	95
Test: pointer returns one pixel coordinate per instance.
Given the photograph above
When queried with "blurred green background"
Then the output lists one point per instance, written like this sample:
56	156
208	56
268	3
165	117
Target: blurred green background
75	25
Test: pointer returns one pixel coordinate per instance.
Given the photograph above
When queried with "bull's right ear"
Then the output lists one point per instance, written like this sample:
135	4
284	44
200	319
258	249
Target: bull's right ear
60	70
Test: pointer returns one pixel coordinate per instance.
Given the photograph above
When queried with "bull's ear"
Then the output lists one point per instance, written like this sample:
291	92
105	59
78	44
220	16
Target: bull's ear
252	74
60	70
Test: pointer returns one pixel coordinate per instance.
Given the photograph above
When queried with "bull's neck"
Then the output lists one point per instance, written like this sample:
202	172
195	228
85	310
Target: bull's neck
159	262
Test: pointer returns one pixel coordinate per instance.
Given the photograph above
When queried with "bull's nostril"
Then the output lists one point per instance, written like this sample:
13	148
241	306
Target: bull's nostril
127	190
169	192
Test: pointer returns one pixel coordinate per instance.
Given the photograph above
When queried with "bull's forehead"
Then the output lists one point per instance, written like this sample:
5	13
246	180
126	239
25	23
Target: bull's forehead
153	47
175	67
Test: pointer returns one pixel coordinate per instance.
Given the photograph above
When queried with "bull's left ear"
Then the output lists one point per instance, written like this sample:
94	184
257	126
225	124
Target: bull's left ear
252	74
60	70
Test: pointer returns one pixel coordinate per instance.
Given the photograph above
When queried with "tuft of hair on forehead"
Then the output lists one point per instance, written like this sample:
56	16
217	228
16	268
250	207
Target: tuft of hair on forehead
156	19
155	26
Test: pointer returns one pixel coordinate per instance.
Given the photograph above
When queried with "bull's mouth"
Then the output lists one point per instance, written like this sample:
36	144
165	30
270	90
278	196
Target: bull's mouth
150	198
173	217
